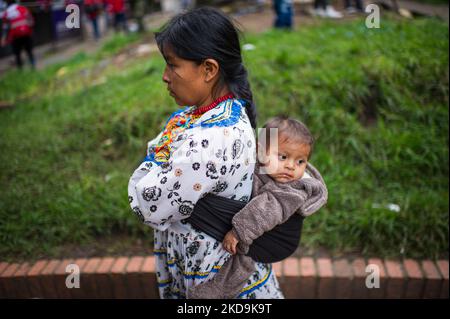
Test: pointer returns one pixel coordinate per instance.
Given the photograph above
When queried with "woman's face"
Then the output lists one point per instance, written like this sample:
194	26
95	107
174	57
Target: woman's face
186	81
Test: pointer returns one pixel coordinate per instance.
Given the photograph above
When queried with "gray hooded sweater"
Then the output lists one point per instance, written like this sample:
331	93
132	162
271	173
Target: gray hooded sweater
272	204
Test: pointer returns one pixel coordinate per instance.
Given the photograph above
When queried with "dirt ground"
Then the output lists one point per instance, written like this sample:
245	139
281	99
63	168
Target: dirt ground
49	54
254	22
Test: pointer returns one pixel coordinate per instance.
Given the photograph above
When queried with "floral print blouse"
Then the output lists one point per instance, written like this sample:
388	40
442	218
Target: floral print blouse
211	153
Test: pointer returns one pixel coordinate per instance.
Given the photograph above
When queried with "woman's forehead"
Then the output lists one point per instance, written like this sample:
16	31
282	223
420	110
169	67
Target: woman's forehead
170	54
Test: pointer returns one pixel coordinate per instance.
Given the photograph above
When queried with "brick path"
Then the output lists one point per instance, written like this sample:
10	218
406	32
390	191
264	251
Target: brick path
300	278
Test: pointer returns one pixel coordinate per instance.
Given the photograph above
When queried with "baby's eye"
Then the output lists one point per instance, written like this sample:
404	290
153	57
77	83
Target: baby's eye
282	157
300	162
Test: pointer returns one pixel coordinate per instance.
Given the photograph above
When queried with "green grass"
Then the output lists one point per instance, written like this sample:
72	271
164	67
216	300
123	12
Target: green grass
79	129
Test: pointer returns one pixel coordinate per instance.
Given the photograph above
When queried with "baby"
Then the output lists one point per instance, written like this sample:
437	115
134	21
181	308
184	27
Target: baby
284	147
284	184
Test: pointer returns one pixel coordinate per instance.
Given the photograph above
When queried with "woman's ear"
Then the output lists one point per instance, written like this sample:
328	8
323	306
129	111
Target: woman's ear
211	68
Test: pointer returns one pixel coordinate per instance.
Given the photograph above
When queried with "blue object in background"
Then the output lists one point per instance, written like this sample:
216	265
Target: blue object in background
284	13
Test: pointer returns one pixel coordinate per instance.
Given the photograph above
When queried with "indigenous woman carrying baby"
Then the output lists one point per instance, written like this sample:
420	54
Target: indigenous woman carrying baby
207	148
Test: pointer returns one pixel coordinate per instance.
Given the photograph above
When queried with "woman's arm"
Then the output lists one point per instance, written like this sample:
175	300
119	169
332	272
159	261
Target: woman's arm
161	195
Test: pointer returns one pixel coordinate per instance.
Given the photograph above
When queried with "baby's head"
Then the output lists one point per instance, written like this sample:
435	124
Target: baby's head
284	148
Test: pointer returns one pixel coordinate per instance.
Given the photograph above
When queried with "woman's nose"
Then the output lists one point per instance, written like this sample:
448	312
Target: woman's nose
165	77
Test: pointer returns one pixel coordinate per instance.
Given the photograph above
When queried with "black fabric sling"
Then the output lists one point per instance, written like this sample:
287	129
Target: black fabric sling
213	214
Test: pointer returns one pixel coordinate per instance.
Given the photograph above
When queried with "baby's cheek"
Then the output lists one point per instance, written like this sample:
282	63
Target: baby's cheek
302	171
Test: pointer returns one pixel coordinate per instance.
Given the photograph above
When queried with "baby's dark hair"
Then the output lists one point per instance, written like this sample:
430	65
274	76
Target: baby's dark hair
207	33
289	129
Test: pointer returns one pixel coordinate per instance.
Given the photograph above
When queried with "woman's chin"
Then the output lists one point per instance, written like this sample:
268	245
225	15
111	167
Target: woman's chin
179	102
176	100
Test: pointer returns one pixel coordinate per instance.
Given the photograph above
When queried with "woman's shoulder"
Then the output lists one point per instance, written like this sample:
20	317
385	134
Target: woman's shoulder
227	114
228	126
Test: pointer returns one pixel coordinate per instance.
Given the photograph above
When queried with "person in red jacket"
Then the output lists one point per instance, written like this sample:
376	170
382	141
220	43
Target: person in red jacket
117	9
93	9
17	30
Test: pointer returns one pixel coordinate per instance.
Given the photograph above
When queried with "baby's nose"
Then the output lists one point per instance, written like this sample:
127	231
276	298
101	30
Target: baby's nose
290	166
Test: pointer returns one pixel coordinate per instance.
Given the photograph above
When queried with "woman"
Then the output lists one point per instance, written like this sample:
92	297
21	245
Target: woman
209	147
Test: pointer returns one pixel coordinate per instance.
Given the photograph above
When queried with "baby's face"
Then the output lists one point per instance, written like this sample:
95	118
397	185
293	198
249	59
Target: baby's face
287	162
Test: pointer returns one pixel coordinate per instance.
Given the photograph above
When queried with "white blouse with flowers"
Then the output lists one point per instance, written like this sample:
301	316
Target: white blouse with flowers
214	153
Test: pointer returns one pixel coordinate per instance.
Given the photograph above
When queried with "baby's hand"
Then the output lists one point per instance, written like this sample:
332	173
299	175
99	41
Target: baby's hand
230	242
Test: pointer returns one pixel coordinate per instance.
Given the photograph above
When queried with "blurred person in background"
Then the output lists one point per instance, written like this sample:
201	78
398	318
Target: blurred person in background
358	8
93	9
187	4
17	30
3	6
324	10
260	5
284	13
117	9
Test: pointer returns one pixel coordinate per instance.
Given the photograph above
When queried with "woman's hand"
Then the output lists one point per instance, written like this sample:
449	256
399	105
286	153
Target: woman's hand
230	242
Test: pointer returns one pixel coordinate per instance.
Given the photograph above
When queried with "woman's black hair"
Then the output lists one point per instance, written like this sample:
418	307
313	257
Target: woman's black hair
207	33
